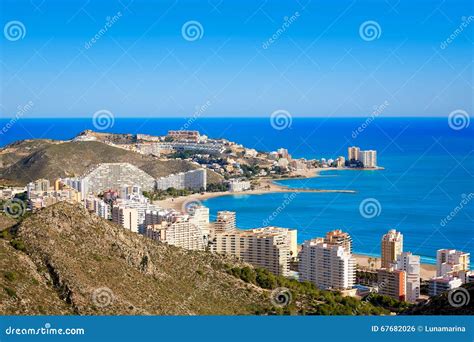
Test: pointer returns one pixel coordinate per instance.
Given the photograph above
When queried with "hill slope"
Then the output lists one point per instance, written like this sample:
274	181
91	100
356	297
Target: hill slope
78	263
52	160
440	305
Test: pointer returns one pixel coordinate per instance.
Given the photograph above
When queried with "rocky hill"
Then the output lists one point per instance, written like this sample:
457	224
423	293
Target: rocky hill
26	161
65	260
457	302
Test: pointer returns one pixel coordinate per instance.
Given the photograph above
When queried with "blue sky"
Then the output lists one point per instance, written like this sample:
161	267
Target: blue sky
319	65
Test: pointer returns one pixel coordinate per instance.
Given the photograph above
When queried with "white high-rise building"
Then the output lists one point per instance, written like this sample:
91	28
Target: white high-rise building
411	265
368	158
328	266
451	262
353	153
438	285
269	247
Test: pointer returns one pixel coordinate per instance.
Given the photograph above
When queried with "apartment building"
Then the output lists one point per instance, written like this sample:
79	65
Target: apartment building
126	217
392	283
411	265
269	247
225	222
238	185
194	179
338	237
353	153
328	266
438	285
451	262
181	233
392	246
368	158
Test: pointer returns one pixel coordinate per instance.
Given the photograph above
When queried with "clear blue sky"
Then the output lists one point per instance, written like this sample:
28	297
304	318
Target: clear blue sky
319	65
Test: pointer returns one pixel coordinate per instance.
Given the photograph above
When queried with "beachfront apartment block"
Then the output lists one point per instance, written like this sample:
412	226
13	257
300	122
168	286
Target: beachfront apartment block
194	180
353	153
181	233
270	247
126	217
392	247
338	237
238	185
225	222
392	283
438	285
410	263
451	262
327	265
368	158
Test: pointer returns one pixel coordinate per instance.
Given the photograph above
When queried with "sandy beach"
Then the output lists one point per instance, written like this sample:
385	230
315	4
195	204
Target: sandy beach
427	271
266	186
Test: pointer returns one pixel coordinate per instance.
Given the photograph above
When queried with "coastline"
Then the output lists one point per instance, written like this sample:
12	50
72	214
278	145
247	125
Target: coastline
427	271
266	186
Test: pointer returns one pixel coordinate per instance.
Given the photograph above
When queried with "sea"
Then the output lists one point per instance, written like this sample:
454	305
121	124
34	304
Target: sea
426	189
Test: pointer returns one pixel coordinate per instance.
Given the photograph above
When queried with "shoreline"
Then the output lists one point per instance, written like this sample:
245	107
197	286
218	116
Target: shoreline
267	186
427	271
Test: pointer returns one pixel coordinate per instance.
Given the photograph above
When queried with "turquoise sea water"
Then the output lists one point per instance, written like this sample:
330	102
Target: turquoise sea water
429	167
